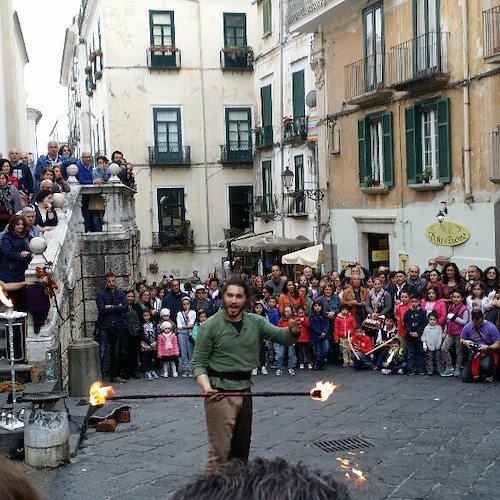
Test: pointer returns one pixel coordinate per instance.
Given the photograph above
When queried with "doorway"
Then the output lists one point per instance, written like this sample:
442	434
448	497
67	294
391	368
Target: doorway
378	251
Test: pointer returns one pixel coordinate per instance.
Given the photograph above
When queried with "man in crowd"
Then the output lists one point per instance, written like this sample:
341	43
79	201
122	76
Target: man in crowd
200	301
415	279
277	280
111	305
355	296
173	299
52	159
402	284
226	351
22	172
84	177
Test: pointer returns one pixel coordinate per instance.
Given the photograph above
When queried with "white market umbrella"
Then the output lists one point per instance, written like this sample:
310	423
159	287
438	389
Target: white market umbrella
311	256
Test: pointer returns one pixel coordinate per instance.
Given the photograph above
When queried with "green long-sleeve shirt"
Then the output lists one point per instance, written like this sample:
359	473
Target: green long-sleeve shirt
220	347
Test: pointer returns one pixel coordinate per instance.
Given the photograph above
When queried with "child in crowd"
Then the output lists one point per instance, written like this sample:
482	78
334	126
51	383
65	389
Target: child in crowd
458	316
303	290
389	331
148	346
259	309
168	349
273	315
303	345
344	323
395	359
186	319
477	299
431	342
319	325
201	317
400	310
432	302
283	349
415	320
361	345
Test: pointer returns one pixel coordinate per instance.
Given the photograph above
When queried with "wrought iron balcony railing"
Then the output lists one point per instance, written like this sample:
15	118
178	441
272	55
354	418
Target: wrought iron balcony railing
234	232
264	137
163	57
295	128
420	60
169	155
174	238
263	205
236	153
236	58
491	29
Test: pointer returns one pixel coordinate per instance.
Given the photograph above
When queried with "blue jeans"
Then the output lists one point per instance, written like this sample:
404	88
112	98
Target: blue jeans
364	361
321	350
111	336
291	356
186	351
416	356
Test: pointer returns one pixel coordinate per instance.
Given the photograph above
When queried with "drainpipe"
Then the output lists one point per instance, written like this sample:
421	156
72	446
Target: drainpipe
204	128
282	107
466	102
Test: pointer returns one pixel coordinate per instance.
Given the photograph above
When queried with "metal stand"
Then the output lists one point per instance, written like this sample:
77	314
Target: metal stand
11	315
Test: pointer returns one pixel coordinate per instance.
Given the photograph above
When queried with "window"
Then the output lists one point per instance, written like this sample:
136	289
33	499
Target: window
162	36
376	165
238	134
267	115
373	47
427	47
428	141
266	17
300	200
235	30
240	205
167	134
267	187
171	209
298	94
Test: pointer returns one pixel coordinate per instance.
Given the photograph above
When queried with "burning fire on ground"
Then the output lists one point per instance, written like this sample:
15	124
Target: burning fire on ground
98	393
352	469
322	391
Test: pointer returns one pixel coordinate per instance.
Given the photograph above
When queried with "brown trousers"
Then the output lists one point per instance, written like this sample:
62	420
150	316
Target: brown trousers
229	426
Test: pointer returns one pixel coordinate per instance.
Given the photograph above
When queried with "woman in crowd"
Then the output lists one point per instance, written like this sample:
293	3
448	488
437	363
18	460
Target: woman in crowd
45	215
378	301
59	180
491	279
127	176
10	201
65	151
6	168
434	278
291	297
450	280
258	287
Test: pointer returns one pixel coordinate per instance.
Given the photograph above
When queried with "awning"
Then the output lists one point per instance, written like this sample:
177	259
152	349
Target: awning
311	256
268	243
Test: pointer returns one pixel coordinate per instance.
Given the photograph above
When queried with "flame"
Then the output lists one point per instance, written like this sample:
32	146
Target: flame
322	391
346	464
4	300
358	473
98	393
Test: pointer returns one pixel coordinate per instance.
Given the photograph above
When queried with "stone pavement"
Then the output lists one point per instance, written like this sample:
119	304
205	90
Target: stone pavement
432	438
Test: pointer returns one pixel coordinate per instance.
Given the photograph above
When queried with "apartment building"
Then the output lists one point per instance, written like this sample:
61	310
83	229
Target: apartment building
409	127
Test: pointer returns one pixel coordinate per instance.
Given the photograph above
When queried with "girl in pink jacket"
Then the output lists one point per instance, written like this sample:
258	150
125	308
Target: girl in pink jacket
168	349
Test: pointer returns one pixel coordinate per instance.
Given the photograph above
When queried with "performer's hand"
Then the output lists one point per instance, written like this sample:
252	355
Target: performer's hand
294	328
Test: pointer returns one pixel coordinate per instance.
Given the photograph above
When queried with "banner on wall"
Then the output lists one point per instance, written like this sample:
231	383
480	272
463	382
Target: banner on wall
312	125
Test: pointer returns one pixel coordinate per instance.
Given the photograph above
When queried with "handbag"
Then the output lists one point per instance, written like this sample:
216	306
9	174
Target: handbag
373	323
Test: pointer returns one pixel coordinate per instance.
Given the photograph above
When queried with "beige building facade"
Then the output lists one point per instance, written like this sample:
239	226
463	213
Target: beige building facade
171	86
409	113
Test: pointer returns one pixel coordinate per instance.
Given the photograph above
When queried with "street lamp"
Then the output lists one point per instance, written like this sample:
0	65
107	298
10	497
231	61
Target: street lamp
287	177
442	213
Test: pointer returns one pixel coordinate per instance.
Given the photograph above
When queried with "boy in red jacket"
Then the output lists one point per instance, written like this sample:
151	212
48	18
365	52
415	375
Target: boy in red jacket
361	344
344	323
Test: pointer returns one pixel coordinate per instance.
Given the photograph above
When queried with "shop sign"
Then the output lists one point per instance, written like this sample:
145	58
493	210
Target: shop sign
447	234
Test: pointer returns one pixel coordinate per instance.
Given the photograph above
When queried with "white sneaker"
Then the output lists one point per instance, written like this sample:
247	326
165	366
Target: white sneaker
279	372
154	374
263	370
301	367
175	375
184	374
149	375
254	372
401	371
309	366
385	371
291	372
164	375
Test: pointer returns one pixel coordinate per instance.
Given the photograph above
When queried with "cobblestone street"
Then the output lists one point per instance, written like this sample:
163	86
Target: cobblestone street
431	438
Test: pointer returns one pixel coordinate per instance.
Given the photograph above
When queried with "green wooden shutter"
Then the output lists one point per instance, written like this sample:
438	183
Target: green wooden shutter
362	148
266	17
388	149
267	109
298	94
411	145
444	153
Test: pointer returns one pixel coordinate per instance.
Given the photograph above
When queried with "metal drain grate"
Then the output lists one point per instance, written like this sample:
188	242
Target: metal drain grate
344	444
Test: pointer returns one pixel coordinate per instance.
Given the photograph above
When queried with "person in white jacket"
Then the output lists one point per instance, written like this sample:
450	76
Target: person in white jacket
431	340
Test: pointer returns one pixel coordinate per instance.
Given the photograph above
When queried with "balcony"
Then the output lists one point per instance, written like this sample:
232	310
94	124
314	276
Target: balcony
236	58
491	34
295	129
174	238
420	65
305	16
263	206
234	232
364	81
169	155
495	156
295	205
264	137
163	58
236	154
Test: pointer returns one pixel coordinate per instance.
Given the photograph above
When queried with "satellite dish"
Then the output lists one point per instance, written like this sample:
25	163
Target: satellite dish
311	99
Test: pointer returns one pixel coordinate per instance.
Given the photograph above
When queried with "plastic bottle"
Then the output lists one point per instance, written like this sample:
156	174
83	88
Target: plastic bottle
49	368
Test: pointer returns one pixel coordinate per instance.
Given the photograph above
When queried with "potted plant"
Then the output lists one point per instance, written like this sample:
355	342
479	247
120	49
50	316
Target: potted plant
425	176
369	181
153	267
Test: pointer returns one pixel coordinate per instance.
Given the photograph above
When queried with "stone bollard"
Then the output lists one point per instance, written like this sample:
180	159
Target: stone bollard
84	366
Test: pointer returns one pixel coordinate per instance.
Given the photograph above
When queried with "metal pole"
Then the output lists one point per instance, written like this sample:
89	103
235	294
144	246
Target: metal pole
314	393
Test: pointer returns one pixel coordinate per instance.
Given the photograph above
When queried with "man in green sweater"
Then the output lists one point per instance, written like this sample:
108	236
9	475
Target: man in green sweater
226	351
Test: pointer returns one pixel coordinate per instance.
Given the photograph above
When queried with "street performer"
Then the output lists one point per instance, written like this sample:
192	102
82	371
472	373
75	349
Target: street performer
226	351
